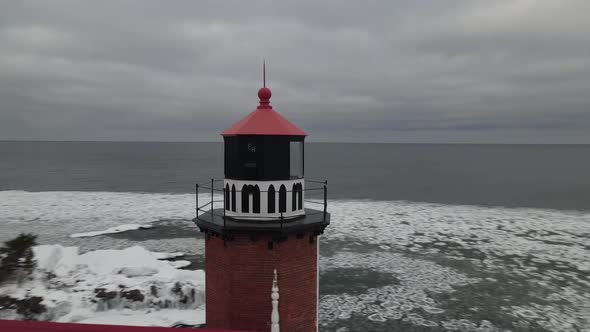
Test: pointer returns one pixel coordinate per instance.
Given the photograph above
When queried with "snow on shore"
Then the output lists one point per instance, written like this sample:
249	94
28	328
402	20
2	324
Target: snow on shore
163	317
113	230
130	286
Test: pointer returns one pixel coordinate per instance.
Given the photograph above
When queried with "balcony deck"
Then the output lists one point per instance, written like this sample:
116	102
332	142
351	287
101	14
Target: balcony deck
214	221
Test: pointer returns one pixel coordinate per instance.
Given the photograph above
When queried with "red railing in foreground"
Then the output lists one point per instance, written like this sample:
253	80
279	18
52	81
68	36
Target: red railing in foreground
24	326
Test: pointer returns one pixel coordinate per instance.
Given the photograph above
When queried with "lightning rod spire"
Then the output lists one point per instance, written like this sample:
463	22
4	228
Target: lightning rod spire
264	73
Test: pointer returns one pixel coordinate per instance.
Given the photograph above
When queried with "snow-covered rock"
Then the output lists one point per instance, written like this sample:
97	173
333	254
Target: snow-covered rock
132	284
135	271
162	317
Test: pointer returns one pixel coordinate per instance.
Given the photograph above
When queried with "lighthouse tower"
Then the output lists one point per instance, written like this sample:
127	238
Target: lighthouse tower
261	240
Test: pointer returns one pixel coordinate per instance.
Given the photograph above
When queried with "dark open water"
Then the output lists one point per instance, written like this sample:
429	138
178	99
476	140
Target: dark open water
543	176
423	237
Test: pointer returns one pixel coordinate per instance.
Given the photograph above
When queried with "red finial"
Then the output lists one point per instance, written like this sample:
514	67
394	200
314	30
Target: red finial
264	93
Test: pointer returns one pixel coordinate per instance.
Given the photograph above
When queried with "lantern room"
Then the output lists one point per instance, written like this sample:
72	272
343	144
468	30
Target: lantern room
263	146
264	164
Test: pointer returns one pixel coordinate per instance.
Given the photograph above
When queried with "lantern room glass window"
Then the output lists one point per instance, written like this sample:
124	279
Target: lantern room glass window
296	159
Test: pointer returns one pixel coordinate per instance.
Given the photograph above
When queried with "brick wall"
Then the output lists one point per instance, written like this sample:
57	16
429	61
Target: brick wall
239	280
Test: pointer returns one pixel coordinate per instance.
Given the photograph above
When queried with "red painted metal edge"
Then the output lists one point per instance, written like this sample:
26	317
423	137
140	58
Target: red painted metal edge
20	326
264	121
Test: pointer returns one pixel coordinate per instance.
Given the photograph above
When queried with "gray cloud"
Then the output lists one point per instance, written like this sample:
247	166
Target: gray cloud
391	71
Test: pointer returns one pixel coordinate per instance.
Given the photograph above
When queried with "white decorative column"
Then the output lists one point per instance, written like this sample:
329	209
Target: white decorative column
274	317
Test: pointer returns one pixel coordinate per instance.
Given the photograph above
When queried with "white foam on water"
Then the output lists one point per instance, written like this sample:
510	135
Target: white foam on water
416	278
54	216
113	230
543	248
545	234
68	212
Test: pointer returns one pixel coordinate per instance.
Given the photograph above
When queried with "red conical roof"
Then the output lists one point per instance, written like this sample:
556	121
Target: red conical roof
264	121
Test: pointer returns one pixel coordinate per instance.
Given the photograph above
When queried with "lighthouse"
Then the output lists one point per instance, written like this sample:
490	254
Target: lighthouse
262	224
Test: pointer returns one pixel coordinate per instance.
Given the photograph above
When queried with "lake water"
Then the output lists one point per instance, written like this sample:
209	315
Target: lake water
423	237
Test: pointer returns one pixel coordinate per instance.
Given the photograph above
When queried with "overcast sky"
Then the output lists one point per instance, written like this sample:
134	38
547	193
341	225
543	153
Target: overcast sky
501	71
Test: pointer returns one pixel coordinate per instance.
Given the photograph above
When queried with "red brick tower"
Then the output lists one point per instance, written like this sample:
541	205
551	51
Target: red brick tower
262	226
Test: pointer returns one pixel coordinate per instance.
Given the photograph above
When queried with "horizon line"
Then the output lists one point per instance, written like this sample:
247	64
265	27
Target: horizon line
321	142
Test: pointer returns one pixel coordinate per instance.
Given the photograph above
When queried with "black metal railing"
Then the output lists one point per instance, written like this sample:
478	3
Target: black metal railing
210	187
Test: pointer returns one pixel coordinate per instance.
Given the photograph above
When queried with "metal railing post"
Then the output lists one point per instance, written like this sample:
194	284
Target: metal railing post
197	200
224	206
211	195
325	198
224	201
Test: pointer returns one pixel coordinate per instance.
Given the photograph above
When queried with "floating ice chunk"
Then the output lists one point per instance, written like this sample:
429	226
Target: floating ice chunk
428	323
406	307
377	318
180	264
390	304
393	314
137	271
433	310
113	230
344	315
526	313
422	239
168	255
